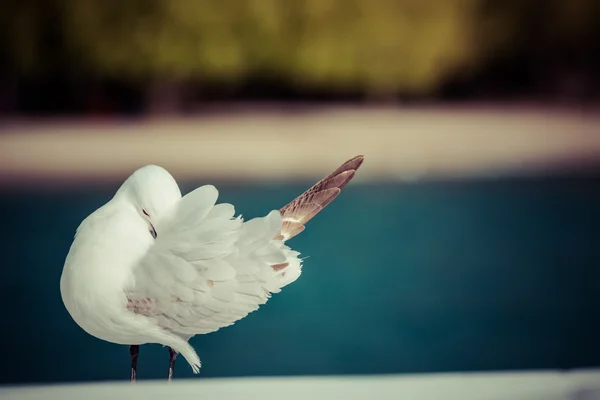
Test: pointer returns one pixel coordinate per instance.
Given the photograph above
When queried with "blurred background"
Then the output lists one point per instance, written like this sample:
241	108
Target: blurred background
468	241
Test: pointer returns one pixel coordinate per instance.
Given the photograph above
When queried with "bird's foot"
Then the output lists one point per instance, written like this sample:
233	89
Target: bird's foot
134	350
172	357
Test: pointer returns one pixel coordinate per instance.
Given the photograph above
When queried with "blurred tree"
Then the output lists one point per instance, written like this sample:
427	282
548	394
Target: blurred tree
378	47
386	46
32	56
553	44
139	39
30	32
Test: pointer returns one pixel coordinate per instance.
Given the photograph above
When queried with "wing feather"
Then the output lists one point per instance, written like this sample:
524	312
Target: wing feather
302	209
208	269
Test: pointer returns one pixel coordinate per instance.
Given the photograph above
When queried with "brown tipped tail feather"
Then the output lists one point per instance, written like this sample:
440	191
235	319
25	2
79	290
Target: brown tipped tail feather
303	208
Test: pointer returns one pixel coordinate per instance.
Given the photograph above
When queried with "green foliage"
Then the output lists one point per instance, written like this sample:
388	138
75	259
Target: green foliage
153	38
380	45
376	46
388	45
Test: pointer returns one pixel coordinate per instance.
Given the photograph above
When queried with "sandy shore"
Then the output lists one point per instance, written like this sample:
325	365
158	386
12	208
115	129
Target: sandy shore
397	144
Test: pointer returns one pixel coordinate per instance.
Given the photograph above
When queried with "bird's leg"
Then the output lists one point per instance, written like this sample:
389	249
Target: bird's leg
134	350
172	356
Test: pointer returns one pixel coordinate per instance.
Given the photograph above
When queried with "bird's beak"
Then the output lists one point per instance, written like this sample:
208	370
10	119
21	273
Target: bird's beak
152	230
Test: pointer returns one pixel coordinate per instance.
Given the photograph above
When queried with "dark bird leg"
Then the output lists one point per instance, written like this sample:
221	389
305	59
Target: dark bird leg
172	357
134	350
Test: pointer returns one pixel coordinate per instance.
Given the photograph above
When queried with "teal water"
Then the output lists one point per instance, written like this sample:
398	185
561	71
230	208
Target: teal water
419	277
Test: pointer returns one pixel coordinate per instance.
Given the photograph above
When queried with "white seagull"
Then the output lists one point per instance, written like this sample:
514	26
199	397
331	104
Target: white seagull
151	266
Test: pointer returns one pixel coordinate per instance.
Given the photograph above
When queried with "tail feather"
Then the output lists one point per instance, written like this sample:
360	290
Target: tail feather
302	209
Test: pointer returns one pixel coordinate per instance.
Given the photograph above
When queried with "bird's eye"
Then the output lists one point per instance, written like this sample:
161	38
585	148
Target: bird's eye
145	213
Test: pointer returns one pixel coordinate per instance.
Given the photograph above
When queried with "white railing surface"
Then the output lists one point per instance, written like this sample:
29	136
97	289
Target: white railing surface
544	385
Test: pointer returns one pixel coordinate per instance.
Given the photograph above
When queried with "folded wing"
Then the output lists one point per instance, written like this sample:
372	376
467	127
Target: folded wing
208	269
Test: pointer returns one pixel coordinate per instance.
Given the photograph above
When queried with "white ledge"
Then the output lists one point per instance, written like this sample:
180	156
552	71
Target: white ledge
545	385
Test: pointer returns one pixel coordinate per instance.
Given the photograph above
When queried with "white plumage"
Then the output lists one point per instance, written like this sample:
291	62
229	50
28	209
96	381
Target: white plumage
151	266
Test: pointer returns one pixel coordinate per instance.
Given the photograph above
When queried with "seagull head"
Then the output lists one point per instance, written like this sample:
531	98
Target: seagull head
152	192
